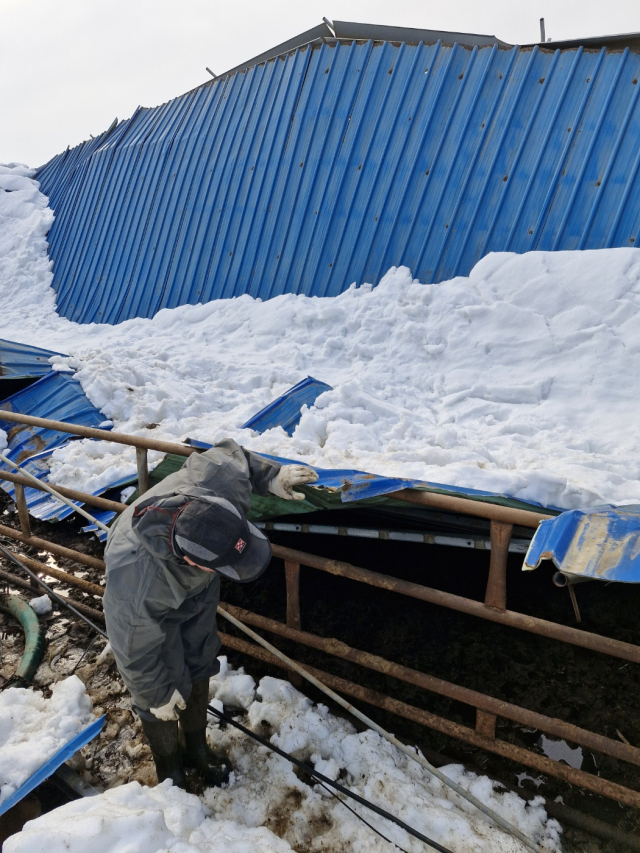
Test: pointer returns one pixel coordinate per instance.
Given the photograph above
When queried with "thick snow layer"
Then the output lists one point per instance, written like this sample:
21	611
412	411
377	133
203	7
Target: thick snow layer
33	728
520	379
265	796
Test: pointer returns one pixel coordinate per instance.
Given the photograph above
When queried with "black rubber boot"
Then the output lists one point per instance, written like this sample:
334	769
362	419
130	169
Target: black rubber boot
163	740
213	769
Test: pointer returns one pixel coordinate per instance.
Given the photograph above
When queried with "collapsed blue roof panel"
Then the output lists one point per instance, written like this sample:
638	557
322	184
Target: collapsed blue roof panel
330	164
51	765
286	411
59	397
21	361
601	543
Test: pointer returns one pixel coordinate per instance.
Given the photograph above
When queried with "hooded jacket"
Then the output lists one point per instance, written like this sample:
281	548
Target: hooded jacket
150	592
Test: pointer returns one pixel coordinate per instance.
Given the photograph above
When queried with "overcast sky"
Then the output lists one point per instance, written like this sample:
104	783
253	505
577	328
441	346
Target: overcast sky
69	67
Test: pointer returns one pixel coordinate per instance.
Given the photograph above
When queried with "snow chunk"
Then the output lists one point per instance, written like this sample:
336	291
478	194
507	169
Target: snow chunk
41	605
33	728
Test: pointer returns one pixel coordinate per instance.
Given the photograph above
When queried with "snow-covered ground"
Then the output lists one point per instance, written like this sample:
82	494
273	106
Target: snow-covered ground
520	379
33	728
267	808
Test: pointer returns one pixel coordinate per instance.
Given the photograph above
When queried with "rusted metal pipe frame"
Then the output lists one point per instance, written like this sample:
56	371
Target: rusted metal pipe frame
542	627
496	594
142	465
52	548
489	708
486	719
450	503
81	497
58	574
101	434
595	784
482	509
9	577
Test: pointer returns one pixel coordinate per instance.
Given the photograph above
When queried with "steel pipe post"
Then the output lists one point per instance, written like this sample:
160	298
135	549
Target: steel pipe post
143	469
23	512
496	593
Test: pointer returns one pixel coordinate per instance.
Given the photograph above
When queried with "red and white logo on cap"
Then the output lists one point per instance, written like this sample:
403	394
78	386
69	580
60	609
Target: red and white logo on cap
240	546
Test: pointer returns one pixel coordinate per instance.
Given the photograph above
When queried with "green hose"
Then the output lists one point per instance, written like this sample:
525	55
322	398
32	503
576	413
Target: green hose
34	638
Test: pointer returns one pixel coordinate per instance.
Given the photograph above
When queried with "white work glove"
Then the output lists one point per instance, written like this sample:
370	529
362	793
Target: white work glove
170	710
288	476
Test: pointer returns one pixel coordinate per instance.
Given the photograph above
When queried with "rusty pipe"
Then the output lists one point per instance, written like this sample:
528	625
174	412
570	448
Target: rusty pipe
102	434
542	627
549	725
45	545
9	577
65	577
84	497
595	784
467	506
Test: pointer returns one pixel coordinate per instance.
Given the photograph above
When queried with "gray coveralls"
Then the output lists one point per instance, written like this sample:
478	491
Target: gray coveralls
160	611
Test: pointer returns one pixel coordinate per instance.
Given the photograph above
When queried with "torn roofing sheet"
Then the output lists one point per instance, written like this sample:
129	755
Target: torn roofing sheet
602	543
286	410
358	485
21	361
58	396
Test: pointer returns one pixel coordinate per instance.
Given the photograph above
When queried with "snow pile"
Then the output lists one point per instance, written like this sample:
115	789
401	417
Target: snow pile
144	820
268	808
520	379
25	269
33	728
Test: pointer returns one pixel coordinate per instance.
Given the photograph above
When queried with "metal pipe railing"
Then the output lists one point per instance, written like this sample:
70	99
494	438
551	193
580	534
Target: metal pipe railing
102	434
595	784
481	509
574	636
496	707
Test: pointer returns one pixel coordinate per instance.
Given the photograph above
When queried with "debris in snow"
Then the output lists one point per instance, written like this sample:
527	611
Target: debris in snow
519	379
33	728
41	605
267	807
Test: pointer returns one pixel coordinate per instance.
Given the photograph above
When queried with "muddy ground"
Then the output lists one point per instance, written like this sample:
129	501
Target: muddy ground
593	691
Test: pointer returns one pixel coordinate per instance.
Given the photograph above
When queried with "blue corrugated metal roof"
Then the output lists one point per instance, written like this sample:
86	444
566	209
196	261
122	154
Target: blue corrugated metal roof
601	543
57	396
286	410
336	162
21	361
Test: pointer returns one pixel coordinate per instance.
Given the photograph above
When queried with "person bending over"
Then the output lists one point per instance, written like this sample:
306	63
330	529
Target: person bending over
164	558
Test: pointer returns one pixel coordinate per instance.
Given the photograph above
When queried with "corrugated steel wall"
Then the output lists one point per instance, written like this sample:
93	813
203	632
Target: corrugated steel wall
332	164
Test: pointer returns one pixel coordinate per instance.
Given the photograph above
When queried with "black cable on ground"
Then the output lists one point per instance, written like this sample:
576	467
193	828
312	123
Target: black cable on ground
315	774
50	592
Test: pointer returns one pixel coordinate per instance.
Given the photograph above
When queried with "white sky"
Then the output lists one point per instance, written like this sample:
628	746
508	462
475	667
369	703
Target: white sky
69	67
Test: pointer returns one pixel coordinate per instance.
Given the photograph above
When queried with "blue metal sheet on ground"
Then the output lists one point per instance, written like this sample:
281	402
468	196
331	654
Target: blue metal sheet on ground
21	361
287	409
602	543
334	162
52	764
